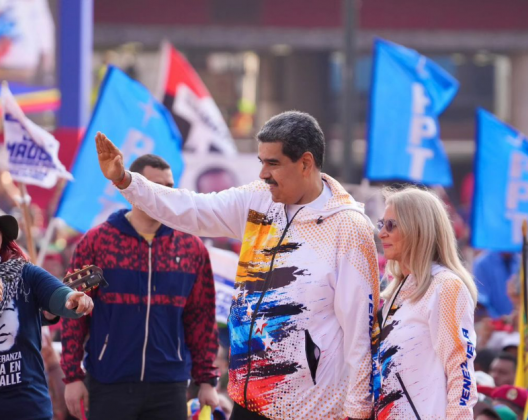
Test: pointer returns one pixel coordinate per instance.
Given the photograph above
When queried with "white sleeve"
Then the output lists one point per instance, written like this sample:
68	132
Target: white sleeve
216	214
356	303
451	320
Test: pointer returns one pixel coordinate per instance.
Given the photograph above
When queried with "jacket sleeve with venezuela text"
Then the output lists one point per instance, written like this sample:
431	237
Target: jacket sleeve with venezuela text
454	340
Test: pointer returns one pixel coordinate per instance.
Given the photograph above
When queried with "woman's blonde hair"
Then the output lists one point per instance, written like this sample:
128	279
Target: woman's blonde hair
427	237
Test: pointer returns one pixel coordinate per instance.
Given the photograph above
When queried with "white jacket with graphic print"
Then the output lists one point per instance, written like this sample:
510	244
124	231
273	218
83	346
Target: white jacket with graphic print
304	301
424	361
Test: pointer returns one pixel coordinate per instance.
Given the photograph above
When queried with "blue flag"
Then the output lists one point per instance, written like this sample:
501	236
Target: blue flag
500	201
408	93
137	124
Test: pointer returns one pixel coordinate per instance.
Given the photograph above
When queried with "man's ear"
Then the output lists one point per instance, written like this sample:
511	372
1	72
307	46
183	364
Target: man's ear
308	162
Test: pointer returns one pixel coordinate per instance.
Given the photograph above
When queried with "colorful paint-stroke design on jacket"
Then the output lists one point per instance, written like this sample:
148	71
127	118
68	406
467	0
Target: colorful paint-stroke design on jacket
385	356
273	323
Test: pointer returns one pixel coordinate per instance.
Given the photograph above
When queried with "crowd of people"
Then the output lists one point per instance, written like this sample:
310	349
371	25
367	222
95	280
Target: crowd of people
316	329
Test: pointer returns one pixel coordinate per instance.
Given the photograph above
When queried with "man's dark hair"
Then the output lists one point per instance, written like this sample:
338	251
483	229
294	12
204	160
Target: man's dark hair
508	356
148	160
298	132
490	412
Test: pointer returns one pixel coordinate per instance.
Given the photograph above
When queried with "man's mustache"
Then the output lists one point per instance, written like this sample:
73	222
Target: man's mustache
270	181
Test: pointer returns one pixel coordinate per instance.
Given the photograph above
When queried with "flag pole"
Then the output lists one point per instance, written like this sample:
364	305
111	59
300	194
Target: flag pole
523	262
350	12
53	222
523	325
44	246
23	192
27	223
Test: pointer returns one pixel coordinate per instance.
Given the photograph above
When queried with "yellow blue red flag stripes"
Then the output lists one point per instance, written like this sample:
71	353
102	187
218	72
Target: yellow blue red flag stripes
521	379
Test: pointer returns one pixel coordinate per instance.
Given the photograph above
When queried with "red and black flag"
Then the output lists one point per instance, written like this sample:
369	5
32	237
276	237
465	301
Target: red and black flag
200	122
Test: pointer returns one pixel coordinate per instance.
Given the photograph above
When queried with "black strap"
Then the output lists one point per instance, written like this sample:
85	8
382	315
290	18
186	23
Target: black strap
383	321
392	303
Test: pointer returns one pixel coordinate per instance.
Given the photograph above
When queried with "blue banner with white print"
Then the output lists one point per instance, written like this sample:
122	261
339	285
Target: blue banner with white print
408	93
500	202
137	124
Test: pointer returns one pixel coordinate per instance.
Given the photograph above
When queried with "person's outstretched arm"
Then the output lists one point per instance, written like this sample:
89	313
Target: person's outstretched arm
216	214
53	296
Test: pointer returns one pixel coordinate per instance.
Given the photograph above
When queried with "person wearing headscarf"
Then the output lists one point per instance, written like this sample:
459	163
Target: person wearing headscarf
26	290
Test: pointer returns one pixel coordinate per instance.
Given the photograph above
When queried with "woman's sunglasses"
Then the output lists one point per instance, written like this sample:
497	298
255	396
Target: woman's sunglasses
389	224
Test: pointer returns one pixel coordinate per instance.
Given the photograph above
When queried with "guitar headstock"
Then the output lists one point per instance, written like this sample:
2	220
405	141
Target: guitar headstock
85	279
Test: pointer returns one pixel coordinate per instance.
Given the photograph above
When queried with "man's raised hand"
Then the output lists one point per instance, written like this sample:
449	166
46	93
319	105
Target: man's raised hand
110	158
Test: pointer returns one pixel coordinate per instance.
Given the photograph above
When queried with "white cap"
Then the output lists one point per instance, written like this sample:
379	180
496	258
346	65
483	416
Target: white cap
512	339
482	378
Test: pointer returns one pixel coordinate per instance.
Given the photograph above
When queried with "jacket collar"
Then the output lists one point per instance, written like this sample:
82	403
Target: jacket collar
121	223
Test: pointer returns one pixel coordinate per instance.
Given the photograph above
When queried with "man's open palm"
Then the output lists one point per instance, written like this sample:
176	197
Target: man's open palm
110	158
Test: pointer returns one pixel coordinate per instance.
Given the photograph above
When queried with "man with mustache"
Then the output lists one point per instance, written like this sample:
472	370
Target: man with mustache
307	282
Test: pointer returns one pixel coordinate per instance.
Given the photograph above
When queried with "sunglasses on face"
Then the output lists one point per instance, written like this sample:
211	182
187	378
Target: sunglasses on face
389	224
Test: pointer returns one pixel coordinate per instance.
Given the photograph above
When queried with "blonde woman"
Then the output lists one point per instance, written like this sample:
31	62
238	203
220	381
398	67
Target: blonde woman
425	346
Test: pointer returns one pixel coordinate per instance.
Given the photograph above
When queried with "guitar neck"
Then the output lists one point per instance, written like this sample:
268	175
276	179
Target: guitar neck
87	278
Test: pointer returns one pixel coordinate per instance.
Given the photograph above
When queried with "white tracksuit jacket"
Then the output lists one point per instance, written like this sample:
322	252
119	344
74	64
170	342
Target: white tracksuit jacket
424	364
305	296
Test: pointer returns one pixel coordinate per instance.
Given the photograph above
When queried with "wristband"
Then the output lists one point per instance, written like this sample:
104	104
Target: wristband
121	181
213	382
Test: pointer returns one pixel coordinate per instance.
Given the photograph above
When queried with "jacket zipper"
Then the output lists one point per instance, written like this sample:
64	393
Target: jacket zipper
267	283
179	353
144	357
407	395
104	347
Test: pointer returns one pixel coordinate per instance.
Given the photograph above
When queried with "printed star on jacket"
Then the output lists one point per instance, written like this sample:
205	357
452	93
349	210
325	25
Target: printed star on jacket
261	323
249	310
237	293
268	341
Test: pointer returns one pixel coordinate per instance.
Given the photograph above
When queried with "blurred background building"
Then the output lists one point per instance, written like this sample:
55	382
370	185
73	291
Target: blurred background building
262	57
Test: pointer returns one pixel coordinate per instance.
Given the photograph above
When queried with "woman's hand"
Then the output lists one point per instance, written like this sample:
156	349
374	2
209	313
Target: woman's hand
81	302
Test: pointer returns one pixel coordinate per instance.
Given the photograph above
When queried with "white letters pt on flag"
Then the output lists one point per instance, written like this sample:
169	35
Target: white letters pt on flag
32	151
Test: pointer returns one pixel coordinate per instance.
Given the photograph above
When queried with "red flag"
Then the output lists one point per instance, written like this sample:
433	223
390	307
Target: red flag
200	122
